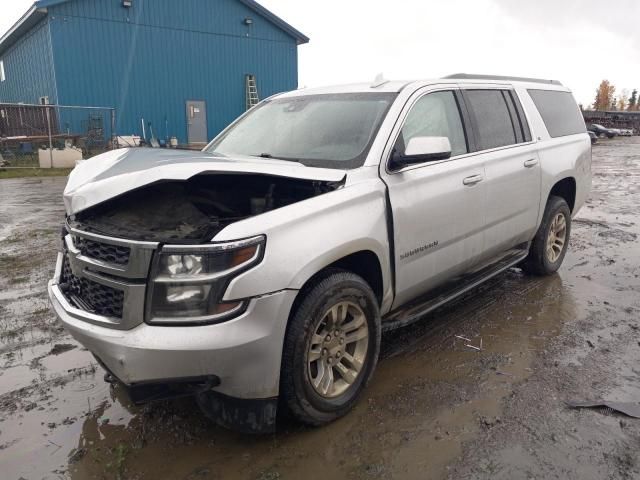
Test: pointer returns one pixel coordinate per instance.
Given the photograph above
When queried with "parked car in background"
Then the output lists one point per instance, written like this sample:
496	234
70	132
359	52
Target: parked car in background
626	132
601	131
259	273
593	137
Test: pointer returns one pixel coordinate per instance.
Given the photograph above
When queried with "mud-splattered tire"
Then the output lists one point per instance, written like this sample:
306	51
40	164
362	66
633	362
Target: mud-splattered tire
550	244
331	348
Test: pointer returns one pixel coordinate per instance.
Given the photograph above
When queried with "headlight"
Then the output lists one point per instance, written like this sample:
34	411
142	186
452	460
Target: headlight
188	282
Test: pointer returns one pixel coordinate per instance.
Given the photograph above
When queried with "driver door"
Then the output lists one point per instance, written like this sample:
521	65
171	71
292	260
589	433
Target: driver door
438	207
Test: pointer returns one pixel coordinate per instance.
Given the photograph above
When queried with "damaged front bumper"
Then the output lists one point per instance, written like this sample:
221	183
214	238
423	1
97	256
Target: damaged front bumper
238	361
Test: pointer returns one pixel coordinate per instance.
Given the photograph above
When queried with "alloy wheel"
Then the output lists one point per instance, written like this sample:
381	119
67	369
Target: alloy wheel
556	238
337	349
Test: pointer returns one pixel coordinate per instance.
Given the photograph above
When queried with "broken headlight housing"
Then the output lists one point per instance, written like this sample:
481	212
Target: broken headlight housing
188	281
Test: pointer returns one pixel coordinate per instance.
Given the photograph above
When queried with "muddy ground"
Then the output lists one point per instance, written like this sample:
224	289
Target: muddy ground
435	409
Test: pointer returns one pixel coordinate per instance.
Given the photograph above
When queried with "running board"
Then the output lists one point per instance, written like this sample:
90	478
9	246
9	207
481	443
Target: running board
417	309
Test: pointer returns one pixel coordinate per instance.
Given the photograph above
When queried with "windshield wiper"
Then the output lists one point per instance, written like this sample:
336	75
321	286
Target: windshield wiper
268	155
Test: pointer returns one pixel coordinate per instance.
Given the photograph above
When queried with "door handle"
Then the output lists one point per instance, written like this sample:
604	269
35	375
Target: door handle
532	162
473	179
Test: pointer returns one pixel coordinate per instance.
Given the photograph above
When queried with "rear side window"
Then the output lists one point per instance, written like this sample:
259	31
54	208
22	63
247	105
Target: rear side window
559	111
495	118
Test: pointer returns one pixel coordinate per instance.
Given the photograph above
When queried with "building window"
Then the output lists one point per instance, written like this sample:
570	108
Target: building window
3	77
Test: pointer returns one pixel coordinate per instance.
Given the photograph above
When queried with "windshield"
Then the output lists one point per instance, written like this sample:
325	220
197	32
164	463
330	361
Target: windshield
331	131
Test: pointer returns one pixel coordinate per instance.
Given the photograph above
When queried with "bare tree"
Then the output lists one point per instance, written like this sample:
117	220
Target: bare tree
623	99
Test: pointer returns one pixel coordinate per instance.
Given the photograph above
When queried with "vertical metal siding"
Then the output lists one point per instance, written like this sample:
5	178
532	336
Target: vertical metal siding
149	60
29	68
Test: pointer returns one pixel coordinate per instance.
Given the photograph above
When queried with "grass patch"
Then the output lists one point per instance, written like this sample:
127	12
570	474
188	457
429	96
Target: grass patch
18	280
33	172
16	263
119	458
30	235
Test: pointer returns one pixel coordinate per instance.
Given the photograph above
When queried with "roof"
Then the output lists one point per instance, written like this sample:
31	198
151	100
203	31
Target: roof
38	11
387	87
501	78
277	21
383	86
29	20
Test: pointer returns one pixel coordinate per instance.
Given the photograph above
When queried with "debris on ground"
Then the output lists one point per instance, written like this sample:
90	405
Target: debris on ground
468	344
627	408
59	348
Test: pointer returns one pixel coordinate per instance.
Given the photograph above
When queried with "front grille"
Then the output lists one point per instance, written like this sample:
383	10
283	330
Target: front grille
103	251
89	295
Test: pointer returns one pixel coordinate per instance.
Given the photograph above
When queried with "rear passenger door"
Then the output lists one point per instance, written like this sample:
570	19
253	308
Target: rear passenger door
512	166
437	206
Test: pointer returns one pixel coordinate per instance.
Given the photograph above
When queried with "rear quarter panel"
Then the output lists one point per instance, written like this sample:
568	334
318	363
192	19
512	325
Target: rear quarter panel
560	158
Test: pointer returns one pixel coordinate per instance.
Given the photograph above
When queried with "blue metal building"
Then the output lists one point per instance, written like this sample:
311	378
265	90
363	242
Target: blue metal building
181	65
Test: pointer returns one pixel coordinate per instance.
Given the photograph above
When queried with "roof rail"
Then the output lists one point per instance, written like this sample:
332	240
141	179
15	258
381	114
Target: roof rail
470	76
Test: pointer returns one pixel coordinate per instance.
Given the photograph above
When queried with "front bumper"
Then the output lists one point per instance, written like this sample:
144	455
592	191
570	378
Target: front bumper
243	353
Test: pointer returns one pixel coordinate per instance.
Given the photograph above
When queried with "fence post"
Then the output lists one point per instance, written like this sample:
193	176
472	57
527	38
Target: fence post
50	136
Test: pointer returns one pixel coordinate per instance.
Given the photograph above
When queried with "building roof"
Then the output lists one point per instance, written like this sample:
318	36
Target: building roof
38	11
277	21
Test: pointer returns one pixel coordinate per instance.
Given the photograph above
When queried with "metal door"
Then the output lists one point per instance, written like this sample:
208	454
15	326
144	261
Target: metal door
513	197
513	176
438	221
197	122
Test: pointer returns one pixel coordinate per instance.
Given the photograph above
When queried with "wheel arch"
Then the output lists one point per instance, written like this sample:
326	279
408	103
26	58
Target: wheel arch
565	188
364	263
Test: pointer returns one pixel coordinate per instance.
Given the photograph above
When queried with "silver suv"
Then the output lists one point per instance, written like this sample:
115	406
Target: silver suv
259	273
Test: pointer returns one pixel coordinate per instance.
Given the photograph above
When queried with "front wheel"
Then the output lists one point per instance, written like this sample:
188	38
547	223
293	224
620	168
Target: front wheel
331	348
550	244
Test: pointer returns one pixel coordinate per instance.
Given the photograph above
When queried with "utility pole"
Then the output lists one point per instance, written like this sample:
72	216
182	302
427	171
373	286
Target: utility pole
50	136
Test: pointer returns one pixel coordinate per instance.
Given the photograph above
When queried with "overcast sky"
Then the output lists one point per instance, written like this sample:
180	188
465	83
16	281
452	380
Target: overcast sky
579	42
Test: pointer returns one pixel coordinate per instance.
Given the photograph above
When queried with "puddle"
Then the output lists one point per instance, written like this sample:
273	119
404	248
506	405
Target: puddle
432	402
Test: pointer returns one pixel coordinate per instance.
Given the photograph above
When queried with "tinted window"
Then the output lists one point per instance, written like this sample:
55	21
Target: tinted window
524	125
559	111
494	123
435	115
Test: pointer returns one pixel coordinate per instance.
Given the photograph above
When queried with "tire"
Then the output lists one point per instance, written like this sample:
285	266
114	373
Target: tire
308	355
541	260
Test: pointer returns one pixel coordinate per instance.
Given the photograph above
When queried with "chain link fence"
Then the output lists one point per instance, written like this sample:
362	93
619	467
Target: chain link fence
49	136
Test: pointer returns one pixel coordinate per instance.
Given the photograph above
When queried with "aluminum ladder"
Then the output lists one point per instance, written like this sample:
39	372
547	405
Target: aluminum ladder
252	91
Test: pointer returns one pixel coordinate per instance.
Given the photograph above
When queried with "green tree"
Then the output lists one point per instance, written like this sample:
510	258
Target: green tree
633	101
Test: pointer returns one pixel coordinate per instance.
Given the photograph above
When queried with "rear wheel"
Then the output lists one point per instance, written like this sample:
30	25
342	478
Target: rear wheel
550	244
331	348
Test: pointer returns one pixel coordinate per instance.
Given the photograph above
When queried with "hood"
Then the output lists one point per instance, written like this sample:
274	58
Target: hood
113	173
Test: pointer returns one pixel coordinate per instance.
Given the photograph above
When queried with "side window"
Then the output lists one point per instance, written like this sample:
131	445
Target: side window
524	125
493	120
435	115
3	76
559	112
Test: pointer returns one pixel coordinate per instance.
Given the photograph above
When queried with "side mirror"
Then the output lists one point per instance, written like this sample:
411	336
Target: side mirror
424	149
